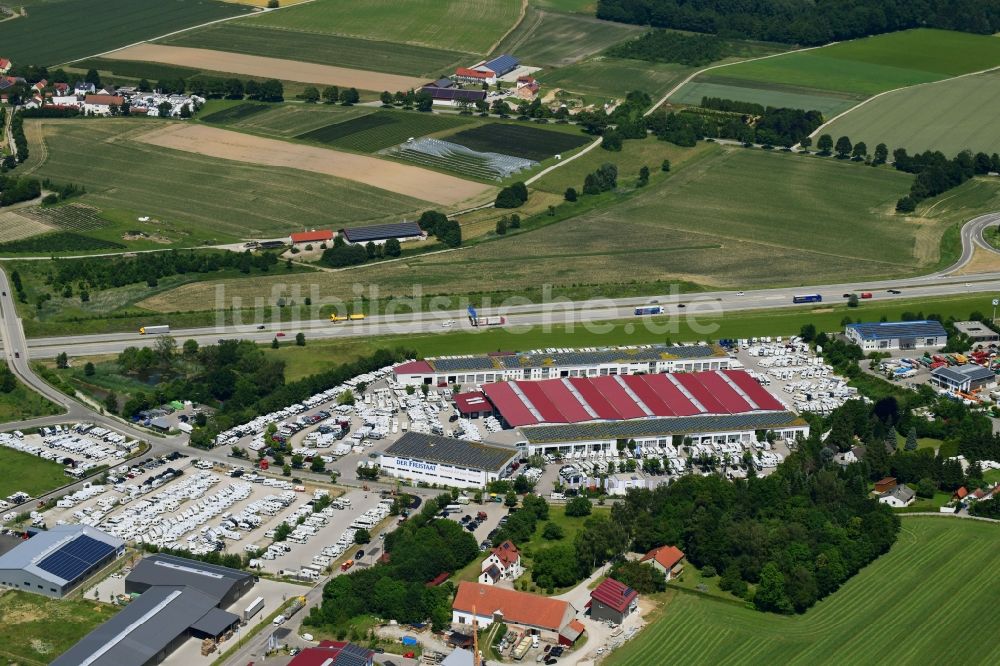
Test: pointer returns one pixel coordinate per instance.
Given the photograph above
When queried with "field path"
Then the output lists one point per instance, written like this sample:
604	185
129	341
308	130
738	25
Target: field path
403	179
520	19
895	90
275	68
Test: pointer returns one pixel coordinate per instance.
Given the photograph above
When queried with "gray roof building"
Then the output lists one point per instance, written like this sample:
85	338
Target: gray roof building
382	232
897	334
450	451
53	562
977	331
964	377
178	598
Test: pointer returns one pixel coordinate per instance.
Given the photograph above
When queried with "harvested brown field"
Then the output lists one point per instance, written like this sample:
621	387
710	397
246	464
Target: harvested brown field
288	70
15	226
403	179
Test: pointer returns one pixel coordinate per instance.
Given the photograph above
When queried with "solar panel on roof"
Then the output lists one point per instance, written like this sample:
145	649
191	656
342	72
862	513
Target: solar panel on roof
70	561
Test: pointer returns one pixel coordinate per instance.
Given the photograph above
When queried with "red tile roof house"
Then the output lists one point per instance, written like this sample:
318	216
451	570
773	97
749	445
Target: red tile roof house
100	105
312	236
503	563
540	615
613	601
334	653
960	493
5	65
669	560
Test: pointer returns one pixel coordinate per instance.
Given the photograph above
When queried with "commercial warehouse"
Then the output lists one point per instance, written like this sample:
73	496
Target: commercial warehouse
447	461
54	562
178	598
609	436
620	397
535	365
887	335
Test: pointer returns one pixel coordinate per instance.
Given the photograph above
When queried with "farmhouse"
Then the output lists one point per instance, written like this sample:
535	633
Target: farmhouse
477	369
503	563
964	378
56	561
313	236
613	601
898	497
5	65
447	461
887	335
539	615
380	233
668	560
475	75
885	484
84	88
100	105
177	598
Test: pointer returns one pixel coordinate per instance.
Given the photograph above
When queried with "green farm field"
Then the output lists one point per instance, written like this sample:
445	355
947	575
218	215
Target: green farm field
548	39
790	97
321	48
875	64
600	78
382	129
201	195
949	116
35	629
939	570
34	475
526	141
63	30
278	120
471	26
711	221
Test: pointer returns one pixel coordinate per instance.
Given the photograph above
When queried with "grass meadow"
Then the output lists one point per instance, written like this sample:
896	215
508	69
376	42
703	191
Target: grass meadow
34	475
206	199
471	26
35	629
57	32
830	104
949	116
875	64
937	575
712	221
321	48
600	78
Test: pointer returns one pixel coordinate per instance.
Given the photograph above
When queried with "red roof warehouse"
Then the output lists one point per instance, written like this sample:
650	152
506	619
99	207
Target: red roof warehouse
473	404
618	397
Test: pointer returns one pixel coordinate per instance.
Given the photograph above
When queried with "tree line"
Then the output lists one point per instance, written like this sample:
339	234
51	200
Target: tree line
725	119
664	46
270	90
418	551
807	23
110	272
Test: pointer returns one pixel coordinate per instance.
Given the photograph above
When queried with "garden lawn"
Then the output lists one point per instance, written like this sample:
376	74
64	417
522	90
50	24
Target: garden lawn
937	575
31	474
949	116
56	32
472	26
35	629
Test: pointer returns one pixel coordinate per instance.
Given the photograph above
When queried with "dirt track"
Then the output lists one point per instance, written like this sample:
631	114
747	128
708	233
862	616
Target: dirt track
288	70
410	181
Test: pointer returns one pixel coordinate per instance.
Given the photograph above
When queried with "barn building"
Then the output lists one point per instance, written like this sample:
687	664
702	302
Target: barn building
380	233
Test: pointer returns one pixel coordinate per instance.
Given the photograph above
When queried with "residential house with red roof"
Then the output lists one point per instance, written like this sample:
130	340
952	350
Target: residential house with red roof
477	75
543	616
613	601
5	65
334	653
313	236
503	563
100	105
669	560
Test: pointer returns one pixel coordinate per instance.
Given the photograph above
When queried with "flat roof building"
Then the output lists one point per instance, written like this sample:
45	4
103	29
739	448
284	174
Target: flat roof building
178	598
447	461
380	233
887	335
964	378
551	364
54	562
977	331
